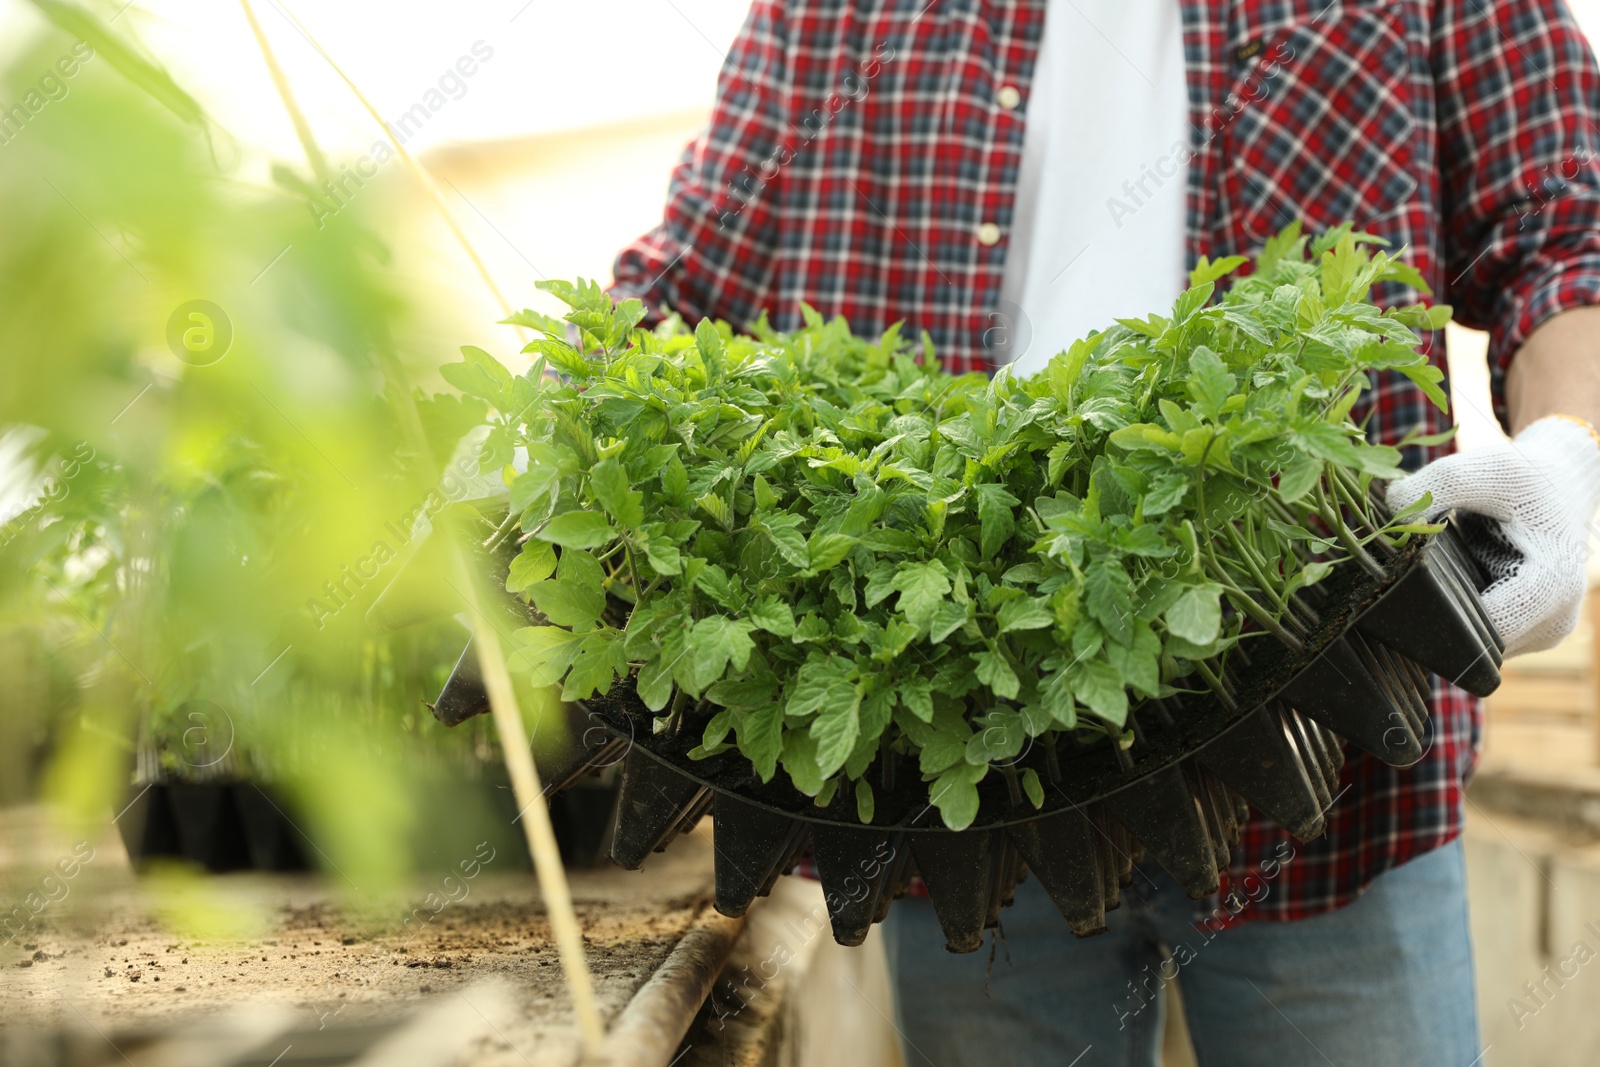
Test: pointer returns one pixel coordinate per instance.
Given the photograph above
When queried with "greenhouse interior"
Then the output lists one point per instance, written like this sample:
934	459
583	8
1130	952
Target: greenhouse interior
921	532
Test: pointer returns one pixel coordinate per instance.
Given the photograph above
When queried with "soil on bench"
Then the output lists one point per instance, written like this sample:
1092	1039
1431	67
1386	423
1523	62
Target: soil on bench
103	958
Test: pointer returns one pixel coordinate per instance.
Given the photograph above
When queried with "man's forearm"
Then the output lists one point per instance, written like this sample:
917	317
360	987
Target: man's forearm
1557	370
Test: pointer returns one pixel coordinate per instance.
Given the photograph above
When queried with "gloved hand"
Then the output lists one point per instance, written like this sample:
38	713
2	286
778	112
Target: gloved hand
1525	509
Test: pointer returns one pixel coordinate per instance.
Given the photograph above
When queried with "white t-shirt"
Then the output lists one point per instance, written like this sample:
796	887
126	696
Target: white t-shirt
1100	216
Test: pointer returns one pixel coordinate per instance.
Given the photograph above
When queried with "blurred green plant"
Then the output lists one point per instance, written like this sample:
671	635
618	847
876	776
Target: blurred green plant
205	427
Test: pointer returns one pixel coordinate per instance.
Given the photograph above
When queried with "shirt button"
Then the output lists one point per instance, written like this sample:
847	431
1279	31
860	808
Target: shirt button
1009	97
988	234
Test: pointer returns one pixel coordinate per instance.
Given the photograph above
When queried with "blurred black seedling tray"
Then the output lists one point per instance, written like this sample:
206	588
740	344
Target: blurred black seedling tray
221	826
227	826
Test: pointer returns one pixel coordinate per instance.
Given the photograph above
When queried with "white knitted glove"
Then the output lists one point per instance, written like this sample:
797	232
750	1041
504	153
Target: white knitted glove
1526	508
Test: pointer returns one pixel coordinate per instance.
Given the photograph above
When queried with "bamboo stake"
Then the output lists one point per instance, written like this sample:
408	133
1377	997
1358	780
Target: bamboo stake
503	706
302	128
536	818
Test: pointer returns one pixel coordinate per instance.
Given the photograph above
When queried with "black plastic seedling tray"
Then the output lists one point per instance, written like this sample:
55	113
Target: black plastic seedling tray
1178	793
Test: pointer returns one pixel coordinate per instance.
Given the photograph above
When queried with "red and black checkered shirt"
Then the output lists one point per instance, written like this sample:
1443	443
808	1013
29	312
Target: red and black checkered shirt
857	160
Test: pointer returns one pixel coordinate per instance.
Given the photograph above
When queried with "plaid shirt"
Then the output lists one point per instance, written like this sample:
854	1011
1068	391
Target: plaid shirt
860	159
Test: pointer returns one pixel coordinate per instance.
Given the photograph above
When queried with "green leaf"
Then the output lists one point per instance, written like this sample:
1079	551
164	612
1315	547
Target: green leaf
1427	378
716	730
154	81
819	683
675	481
1056	698
547	465
545	652
994	671
535	563
655	684
744	692
600	659
995	517
1210	382
799	760
864	800
1196	616
1025	613
923	587
1165	493
610	484
1033	787
1207	271
1299	476
947	619
1098	685
578	529
717	508
946	744
1000	737
708	341
812	628
766	497
917	695
715	643
836	731
715	583
896	637
761	738
1192	299
786	537
772	615
955	794
569	602
664	556
1314	572
1109	597
576	565
826	551
1139	666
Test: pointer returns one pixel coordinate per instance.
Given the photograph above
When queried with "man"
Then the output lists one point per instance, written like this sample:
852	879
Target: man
1007	176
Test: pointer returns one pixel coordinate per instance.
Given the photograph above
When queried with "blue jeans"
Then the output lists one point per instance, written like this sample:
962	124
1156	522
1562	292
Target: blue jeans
1386	980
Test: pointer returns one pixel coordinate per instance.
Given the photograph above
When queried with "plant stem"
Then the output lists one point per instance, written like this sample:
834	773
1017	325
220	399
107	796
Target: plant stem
1247	556
500	531
1335	521
1341	491
1371	511
1012	785
1215	684
1052	764
1247	604
633	571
